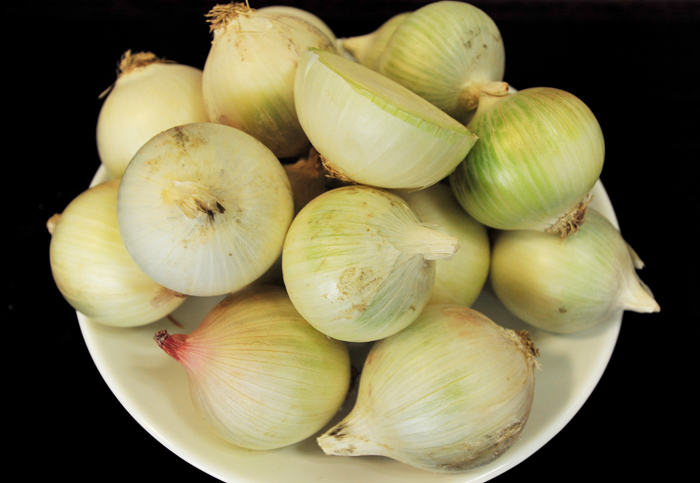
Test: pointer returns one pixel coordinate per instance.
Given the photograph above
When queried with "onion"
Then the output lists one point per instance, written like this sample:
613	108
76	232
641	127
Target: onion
450	392
460	279
539	154
445	52
381	134
151	94
204	208
249	73
259	374
359	265
93	270
566	286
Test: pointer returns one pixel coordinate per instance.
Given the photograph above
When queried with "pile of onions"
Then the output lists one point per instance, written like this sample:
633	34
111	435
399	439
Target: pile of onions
384	177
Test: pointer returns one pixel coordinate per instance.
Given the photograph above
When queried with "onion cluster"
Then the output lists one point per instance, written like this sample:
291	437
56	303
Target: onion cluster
343	191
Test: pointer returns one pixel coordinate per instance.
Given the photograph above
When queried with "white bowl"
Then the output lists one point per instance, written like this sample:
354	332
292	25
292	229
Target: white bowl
153	389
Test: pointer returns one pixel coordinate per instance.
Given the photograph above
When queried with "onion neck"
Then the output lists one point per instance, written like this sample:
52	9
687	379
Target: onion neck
359	46
52	222
221	15
171	344
430	243
637	297
131	62
477	97
350	438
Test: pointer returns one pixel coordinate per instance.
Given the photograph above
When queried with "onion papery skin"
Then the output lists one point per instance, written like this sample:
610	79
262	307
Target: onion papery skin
248	80
451	392
566	286
358	264
443	52
539	154
143	102
200	249
460	279
259	374
382	134
94	272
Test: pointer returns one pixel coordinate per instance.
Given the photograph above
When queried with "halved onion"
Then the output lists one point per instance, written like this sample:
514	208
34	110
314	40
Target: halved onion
371	130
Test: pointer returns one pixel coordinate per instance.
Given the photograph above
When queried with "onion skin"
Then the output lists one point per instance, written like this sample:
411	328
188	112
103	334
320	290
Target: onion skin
539	154
451	392
259	374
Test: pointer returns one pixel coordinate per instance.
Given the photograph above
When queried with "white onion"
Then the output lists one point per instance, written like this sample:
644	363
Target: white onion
204	208
249	73
150	95
450	392
93	270
566	286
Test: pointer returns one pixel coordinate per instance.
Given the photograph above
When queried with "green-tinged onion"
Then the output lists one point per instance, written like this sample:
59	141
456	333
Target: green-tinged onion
359	265
568	285
204	208
258	373
93	270
248	80
460	279
444	52
539	154
371	130
450	392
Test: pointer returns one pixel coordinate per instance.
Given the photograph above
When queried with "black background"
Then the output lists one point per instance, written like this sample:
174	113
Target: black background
635	63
